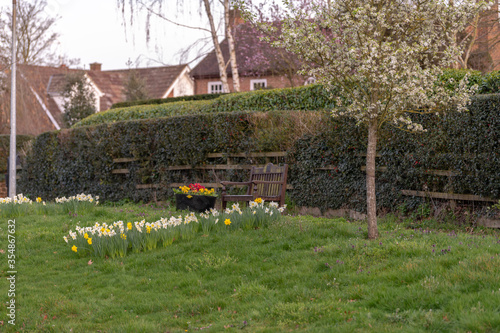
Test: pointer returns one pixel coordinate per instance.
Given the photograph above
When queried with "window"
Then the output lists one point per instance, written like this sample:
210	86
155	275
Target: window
310	80
215	87
258	84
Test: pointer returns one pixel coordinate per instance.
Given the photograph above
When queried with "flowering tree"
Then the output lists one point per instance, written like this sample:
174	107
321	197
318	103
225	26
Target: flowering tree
383	57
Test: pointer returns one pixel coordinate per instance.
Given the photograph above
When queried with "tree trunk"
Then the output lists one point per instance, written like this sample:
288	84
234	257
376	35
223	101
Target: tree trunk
371	199
218	51
232	52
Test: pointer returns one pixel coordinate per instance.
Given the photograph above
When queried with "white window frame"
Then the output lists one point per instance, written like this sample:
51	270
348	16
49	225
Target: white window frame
253	82
310	80
213	84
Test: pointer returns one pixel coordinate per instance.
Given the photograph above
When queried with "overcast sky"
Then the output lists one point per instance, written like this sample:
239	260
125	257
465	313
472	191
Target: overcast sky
93	31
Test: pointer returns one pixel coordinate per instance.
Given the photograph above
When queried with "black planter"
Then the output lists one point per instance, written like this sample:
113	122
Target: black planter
197	203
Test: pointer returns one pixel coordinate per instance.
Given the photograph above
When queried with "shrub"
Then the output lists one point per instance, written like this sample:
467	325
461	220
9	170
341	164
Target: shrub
144	112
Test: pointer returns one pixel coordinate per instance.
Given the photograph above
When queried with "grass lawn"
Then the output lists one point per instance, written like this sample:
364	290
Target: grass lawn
301	274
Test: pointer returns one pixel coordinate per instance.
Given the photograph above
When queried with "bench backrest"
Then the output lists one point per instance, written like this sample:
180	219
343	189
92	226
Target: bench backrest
273	173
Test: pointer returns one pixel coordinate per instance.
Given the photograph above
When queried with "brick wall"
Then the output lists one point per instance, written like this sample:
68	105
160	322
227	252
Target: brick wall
3	190
201	85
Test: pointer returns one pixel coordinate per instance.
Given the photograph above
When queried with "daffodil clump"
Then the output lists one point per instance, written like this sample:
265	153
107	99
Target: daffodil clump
18	199
78	204
19	205
195	189
116	239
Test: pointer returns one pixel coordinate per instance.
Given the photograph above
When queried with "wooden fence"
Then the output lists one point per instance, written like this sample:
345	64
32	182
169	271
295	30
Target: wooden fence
275	158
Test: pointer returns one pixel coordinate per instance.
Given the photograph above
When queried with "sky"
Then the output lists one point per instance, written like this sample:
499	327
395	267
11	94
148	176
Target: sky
93	31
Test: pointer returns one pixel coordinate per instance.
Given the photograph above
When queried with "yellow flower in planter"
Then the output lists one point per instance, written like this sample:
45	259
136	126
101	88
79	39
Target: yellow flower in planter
189	196
227	222
74	248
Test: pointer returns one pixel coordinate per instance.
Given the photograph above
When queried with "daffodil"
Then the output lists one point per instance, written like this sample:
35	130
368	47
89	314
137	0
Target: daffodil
74	248
227	222
89	241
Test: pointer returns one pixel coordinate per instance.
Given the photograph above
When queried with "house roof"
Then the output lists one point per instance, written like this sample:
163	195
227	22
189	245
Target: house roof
253	56
158	80
37	86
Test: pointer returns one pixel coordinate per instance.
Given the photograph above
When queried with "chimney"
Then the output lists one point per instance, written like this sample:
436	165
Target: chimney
95	66
235	17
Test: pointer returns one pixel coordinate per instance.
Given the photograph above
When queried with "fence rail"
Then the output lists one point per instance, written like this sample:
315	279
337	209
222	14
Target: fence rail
231	165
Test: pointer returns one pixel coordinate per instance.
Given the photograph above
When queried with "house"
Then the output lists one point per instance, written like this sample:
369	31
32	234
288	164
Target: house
260	66
40	104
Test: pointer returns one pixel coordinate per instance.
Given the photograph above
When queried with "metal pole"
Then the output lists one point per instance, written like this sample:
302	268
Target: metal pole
13	153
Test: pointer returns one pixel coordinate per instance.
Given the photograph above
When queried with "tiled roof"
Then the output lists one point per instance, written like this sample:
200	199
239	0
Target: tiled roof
38	85
249	51
157	79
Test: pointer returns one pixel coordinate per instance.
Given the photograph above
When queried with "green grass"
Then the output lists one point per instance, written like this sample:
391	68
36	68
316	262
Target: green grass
301	274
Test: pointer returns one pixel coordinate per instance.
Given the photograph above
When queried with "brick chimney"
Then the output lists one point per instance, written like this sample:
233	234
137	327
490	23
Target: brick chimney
95	66
235	17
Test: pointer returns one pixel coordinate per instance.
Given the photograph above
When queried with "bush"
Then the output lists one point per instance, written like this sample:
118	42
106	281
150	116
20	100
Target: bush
313	97
144	112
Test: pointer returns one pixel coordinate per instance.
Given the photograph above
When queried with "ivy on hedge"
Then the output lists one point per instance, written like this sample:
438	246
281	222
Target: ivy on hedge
468	144
81	159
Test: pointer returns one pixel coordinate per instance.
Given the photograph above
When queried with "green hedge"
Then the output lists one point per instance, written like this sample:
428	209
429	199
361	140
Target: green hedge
202	97
312	97
81	159
145	112
466	143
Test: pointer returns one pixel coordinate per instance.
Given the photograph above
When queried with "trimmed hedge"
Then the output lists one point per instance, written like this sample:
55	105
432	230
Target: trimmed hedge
312	97
145	112
202	97
81	159
466	143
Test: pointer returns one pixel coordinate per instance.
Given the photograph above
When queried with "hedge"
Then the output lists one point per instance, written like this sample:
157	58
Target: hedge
145	112
468	144
202	97
81	159
312	97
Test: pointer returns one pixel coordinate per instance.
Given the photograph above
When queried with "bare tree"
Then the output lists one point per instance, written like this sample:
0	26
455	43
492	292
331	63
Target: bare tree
36	40
155	8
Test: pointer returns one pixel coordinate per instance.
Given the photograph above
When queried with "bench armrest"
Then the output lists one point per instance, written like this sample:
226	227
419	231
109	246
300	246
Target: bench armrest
226	183
266	182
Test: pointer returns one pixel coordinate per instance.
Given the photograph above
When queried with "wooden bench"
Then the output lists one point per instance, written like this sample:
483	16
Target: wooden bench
268	183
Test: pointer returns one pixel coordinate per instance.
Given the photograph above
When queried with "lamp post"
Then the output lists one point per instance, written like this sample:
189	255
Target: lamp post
12	152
